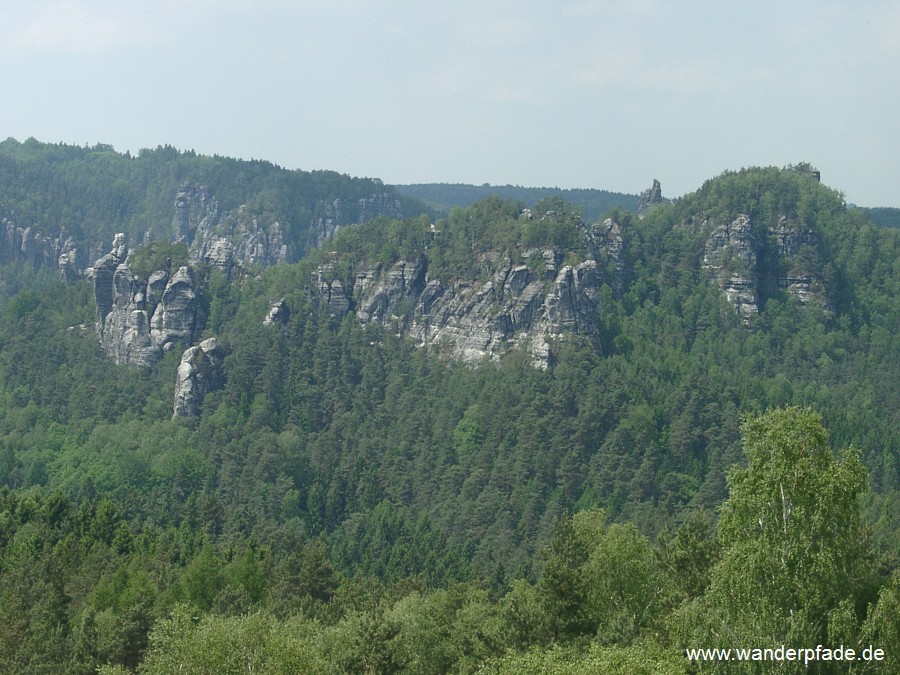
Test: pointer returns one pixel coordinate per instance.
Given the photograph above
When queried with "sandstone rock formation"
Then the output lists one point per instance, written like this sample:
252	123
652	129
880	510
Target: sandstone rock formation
750	262
473	320
376	206
279	314
24	246
67	263
199	373
333	216
138	320
730	259
226	240
650	198
239	237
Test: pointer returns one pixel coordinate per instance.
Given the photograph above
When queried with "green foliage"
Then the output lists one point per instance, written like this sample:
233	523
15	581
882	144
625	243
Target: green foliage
445	197
882	626
885	217
352	502
453	246
251	643
645	659
689	555
95	192
792	545
156	256
602	581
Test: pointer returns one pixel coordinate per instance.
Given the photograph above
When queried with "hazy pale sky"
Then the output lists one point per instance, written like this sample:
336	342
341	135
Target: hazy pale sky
571	93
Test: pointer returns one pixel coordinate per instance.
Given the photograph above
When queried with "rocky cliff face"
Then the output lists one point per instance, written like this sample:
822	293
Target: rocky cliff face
24	246
279	314
333	215
199	373
226	240
514	306
140	319
750	263
241	238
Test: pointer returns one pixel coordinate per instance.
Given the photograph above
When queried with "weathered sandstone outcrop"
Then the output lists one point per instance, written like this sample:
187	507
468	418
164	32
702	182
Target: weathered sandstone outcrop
199	373
749	262
240	237
279	314
649	198
226	239
24	246
334	215
472	320
137	319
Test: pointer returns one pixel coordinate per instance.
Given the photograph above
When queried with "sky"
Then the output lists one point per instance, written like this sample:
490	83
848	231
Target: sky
606	94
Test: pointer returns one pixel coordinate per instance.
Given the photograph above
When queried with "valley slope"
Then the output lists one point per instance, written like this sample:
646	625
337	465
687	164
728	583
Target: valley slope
383	418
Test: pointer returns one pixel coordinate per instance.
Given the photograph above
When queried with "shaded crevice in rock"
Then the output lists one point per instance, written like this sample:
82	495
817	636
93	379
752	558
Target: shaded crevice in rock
751	263
279	314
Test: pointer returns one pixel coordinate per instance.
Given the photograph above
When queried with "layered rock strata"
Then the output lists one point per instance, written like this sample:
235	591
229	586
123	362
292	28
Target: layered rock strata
750	263
334	215
226	240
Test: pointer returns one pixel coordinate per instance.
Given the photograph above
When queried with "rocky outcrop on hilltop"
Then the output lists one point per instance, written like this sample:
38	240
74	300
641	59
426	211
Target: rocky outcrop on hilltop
516	305
750	262
140	319
605	241
649	198
797	251
199	373
730	259
376	206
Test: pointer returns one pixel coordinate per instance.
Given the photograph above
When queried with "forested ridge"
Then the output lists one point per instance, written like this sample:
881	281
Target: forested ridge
445	196
93	192
349	502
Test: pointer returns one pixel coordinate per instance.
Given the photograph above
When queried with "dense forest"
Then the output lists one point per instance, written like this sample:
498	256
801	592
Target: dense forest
350	502
886	217
91	193
445	196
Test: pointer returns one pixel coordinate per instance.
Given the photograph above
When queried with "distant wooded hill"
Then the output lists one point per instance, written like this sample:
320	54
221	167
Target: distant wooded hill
91	193
884	216
445	196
